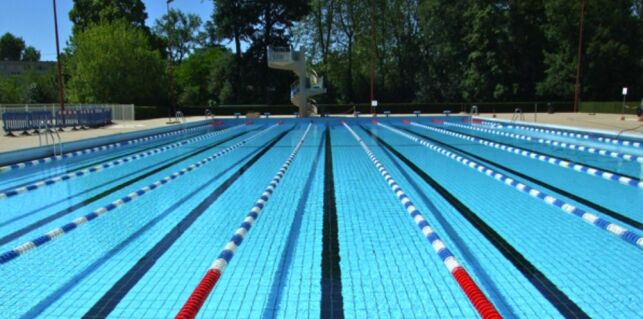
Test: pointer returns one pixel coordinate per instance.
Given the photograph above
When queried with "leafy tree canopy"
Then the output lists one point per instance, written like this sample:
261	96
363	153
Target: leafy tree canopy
112	62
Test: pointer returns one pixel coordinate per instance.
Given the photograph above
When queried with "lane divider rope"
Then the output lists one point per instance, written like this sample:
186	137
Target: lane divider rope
207	283
571	146
566	207
100	167
98	149
541	157
566	133
475	295
57	232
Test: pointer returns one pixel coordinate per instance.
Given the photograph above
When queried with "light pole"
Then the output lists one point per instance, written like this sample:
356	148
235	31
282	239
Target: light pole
623	105
169	63
61	84
579	57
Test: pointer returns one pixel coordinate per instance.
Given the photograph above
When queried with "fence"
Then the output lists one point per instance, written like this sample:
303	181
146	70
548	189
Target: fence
120	112
610	107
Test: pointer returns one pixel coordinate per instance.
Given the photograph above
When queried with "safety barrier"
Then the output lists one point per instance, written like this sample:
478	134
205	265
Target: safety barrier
482	304
571	146
621	232
26	121
95	149
57	232
205	286
16	121
97	168
629	181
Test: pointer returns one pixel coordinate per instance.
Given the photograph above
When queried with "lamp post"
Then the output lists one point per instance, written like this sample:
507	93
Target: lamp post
169	65
623	105
61	84
579	57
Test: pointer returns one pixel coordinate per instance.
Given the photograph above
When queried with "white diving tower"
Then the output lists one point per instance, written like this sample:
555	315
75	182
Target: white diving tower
308	84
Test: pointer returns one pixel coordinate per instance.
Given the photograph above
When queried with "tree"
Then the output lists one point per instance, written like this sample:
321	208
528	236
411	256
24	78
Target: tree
234	19
112	62
88	12
612	49
205	76
11	47
30	54
180	32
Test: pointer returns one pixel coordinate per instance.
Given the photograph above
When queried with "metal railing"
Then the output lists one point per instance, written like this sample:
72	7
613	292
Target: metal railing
56	140
518	115
179	117
120	112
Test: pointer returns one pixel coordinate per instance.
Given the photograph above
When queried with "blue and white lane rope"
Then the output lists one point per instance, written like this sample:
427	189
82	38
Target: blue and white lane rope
96	149
571	146
203	289
566	133
438	245
543	158
100	167
57	232
588	217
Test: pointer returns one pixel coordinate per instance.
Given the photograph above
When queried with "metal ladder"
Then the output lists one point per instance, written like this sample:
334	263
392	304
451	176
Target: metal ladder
179	117
209	114
518	115
474	110
56	141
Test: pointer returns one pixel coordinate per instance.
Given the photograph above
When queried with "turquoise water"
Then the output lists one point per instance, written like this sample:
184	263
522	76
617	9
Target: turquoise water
144	258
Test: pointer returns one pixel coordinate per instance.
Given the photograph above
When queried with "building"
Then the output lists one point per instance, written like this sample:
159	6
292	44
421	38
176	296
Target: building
12	68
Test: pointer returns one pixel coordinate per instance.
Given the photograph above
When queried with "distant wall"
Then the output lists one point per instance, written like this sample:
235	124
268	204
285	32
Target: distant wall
609	107
148	112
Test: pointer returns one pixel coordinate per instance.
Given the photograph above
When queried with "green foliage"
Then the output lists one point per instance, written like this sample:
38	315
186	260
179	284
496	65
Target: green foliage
11	47
180	32
30	54
29	87
205	76
85	13
113	63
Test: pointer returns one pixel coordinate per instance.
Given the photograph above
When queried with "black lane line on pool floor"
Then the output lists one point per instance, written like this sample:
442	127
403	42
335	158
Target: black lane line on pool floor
595	206
286	258
466	253
103	307
88	201
571	162
332	301
43	221
36	310
547	288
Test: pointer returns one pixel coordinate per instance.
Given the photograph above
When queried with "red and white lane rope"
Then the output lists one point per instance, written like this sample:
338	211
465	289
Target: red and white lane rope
481	303
194	303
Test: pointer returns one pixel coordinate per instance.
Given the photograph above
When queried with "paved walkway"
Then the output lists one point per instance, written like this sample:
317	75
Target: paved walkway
8	143
610	122
607	122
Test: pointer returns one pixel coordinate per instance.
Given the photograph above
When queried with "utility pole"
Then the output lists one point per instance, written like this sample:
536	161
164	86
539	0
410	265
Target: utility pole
61	83
169	65
579	57
373	54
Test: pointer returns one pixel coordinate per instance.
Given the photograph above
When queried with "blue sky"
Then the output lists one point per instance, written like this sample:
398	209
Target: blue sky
33	20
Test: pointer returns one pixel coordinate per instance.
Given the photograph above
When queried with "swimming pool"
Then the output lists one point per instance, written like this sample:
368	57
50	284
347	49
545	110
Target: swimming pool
447	217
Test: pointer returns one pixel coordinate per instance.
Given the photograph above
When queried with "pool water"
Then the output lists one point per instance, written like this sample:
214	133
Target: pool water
140	225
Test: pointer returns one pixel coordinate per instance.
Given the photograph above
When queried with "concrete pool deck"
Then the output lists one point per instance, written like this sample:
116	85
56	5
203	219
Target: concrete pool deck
607	122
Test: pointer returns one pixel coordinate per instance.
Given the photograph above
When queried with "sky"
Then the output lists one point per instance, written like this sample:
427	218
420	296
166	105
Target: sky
33	20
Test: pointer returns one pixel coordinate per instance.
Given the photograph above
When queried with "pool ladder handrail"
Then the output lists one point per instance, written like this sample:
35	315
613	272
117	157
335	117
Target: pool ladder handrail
209	114
518	115
474	110
56	140
180	118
